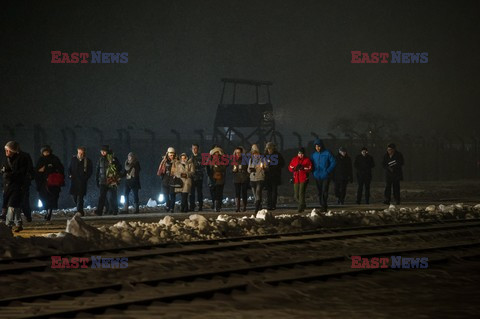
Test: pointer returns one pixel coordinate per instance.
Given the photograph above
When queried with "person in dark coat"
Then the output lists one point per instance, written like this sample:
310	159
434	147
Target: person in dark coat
107	176
342	174
26	208
48	164
392	163
273	175
15	172
197	179
79	171
240	178
165	172
364	164
132	182
216	173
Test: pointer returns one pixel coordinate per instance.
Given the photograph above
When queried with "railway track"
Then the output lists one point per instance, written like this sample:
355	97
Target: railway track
186	285
39	263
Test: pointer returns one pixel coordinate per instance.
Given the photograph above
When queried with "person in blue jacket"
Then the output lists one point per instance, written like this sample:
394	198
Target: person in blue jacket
323	165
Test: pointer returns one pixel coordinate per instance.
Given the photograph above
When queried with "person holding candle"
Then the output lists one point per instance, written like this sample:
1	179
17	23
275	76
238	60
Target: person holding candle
240	178
256	168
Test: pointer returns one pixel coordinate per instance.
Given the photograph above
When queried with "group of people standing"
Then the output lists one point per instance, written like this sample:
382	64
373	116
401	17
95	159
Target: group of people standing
18	172
339	168
185	174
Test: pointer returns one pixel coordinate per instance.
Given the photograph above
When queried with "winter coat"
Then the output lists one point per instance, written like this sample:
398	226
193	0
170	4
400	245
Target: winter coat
393	166
300	167
16	172
179	168
256	168
132	174
165	169
196	160
52	165
102	170
323	163
364	166
79	171
30	170
274	172
240	171
343	169
216	174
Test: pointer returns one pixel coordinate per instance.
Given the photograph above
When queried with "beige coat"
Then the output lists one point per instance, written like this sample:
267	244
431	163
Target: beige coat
177	169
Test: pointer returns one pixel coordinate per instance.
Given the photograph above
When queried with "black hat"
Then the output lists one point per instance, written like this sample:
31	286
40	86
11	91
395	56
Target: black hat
46	148
364	149
105	148
391	145
301	150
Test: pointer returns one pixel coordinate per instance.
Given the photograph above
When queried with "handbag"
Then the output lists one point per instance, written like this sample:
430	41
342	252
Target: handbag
175	182
55	179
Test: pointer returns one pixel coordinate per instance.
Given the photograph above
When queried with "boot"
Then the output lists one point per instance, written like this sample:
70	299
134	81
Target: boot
258	206
244	208
4	214
237	204
218	205
48	216
137	208
213	204
125	210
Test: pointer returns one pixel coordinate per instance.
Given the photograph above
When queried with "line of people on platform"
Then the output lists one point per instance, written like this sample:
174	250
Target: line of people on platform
18	172
184	175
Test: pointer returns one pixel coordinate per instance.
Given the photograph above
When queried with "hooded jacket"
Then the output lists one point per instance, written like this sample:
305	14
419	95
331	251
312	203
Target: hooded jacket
323	162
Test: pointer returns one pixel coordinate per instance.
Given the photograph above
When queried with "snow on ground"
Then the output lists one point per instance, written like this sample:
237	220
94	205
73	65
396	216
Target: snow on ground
79	236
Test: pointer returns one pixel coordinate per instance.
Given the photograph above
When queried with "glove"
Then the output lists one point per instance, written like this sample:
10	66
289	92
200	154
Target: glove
299	167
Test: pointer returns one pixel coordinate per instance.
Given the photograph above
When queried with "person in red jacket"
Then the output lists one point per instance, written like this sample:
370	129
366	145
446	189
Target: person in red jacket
300	166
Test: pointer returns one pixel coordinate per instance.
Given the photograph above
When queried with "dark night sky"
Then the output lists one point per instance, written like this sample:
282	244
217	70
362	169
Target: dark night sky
179	50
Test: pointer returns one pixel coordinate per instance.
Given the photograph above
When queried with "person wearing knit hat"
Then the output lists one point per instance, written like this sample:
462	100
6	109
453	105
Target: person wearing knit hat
257	166
80	170
132	181
255	149
342	174
273	175
165	172
364	164
49	179
15	173
216	172
46	149
300	166
323	166
393	163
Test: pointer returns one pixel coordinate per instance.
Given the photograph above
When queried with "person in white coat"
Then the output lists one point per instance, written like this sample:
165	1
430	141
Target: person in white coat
185	170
